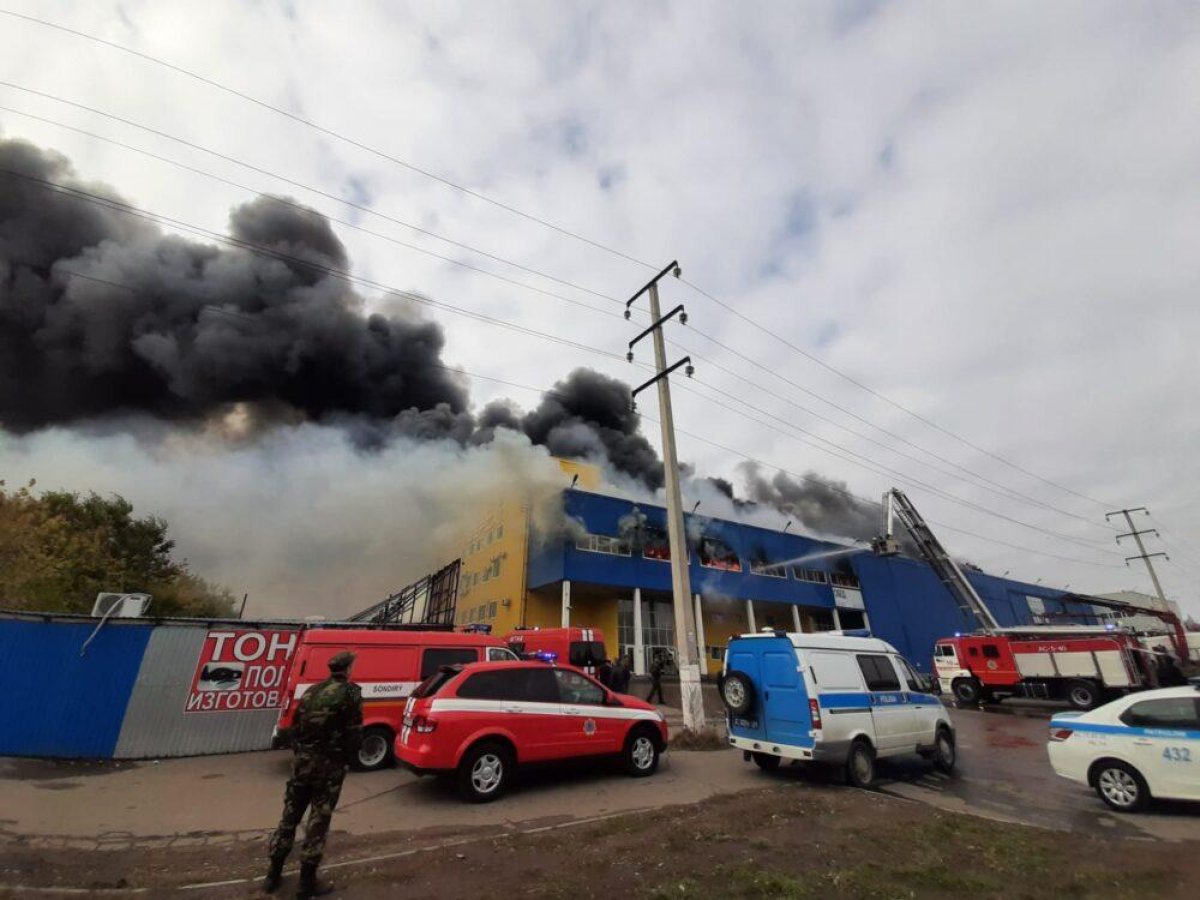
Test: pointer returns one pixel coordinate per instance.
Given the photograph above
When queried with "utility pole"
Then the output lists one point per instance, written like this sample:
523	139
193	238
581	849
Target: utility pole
1142	554
691	698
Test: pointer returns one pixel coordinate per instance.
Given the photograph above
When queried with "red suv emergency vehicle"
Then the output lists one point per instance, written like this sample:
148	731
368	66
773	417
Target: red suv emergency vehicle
478	722
389	664
579	647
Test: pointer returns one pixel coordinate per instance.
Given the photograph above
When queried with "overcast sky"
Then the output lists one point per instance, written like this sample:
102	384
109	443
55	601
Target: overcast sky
987	212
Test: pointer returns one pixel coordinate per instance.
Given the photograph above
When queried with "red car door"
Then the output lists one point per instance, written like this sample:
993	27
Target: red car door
592	727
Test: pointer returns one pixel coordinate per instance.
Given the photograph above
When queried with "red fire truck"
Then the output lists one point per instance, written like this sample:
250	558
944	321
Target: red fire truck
1079	664
1082	664
579	647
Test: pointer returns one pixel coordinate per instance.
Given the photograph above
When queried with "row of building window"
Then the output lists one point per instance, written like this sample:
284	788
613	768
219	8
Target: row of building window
484	611
714	554
471	579
483	540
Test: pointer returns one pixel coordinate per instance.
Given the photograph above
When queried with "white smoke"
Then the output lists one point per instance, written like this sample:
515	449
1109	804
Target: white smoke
298	519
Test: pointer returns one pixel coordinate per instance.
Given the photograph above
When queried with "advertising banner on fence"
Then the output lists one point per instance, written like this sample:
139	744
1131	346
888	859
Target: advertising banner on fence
241	670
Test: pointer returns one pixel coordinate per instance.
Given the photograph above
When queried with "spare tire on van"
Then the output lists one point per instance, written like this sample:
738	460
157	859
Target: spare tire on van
737	691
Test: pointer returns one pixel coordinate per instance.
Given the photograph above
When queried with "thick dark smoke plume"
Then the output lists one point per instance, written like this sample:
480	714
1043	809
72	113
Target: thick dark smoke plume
102	314
589	414
819	503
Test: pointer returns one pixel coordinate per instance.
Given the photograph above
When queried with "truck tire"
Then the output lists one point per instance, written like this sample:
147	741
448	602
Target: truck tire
737	692
1083	695
967	691
376	750
860	764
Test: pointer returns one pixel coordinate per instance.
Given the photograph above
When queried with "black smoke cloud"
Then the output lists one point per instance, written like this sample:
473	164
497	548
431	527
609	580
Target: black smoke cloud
590	414
103	315
819	503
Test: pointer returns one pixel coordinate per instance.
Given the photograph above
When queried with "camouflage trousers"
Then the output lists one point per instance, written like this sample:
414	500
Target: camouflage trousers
315	784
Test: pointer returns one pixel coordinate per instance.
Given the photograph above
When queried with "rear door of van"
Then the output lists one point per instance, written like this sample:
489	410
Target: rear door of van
784	695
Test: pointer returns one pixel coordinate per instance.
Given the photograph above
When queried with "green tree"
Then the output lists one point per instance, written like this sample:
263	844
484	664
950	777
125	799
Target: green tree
59	549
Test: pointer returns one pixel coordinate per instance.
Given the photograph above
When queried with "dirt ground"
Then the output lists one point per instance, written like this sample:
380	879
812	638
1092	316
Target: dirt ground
797	839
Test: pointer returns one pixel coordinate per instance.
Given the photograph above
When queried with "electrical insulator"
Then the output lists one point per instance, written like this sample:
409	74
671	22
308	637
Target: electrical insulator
682	318
690	370
628	315
629	356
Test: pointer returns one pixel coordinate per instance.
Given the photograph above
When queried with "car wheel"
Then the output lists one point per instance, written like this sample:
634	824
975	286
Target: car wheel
485	772
641	754
944	754
767	761
1082	695
738	693
967	691
860	764
376	750
1121	786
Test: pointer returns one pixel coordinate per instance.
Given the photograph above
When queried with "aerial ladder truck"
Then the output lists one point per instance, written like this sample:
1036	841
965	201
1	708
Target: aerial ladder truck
1082	664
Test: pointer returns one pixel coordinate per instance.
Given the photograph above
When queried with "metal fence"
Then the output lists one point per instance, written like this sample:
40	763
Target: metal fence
134	689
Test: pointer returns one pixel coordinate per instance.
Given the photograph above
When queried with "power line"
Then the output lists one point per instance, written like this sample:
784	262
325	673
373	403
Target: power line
329	132
879	469
875	503
409	296
552	392
297	184
536	219
985	483
1008	492
883	397
334	272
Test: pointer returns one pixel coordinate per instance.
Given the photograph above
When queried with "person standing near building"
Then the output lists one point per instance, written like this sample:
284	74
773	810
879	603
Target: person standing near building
325	737
656	674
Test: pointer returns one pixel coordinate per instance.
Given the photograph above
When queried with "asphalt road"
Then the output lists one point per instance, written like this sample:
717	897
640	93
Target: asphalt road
1003	774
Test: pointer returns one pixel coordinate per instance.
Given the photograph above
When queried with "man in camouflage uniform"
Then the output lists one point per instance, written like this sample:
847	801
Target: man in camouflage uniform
326	733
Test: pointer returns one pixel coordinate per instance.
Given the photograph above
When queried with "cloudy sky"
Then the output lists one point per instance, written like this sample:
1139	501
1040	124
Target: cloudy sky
984	213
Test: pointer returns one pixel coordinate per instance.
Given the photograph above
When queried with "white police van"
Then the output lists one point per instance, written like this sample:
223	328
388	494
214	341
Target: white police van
835	697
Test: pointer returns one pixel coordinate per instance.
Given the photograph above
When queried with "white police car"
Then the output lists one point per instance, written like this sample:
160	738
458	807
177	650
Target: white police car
831	697
1141	746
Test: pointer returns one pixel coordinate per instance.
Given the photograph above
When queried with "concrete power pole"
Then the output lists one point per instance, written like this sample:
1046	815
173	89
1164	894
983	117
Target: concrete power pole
692	700
1142	554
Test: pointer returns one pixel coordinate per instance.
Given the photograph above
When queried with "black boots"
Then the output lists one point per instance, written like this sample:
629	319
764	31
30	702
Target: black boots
309	885
274	874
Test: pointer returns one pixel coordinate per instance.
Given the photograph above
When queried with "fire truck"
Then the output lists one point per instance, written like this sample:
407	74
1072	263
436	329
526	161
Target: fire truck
1082	664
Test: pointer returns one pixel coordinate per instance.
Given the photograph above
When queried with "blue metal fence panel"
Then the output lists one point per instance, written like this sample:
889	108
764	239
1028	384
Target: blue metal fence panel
55	702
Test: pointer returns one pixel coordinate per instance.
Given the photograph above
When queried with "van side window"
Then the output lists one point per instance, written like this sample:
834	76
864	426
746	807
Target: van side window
878	673
914	682
991	651
496	654
436	657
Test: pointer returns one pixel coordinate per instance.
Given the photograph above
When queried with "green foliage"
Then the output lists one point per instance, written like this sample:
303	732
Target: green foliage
58	550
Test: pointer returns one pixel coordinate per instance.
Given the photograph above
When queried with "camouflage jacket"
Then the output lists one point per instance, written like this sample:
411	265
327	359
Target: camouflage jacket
328	723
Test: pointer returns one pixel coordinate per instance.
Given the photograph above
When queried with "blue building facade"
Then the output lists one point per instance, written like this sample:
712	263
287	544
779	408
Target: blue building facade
748	577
